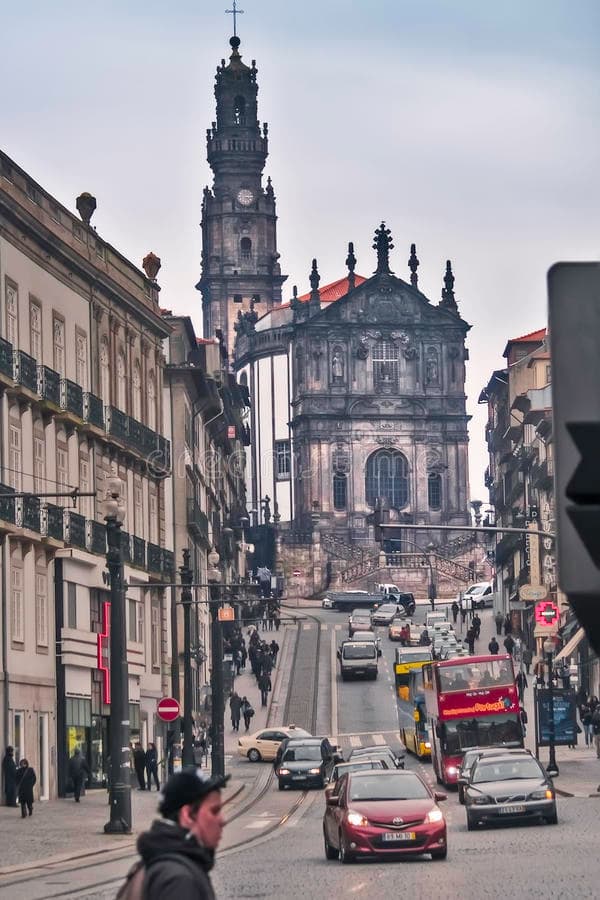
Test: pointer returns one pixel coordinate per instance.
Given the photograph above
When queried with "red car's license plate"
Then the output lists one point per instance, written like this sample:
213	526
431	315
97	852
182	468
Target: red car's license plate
398	836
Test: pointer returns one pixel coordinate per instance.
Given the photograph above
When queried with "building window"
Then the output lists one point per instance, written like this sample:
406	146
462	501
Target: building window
434	490
153	519
35	330
339	491
138	513
81	360
11	301
84	479
239	111
39	456
283	461
387	478
246	248
14	454
136	621
137	391
71	604
155	640
58	335
105	371
151	401
62	467
41	603
16	602
121	382
548	374
385	366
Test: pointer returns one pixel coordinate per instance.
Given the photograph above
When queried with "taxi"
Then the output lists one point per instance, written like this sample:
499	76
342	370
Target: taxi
264	744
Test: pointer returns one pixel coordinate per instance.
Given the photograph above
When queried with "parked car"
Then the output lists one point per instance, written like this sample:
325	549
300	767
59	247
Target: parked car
509	788
263	744
383	813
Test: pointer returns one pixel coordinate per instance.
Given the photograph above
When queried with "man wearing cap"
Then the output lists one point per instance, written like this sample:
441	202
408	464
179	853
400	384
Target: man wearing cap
178	851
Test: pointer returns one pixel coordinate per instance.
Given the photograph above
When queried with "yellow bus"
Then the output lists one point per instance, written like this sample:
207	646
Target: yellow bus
412	717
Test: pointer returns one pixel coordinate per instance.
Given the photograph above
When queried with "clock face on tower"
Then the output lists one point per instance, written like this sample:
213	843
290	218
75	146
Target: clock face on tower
245	197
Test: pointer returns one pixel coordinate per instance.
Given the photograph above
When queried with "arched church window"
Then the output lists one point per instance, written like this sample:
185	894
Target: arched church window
385	366
246	248
387	478
434	490
339	491
239	111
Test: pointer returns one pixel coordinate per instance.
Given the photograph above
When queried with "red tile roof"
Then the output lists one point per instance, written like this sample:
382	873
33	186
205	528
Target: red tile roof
532	337
331	292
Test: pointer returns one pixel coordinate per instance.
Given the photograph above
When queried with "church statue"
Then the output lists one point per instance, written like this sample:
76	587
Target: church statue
337	365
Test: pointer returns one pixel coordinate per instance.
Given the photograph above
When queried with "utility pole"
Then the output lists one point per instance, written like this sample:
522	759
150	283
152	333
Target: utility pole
216	673
187	577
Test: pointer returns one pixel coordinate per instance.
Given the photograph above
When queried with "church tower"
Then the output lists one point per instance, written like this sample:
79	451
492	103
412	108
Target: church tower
240	263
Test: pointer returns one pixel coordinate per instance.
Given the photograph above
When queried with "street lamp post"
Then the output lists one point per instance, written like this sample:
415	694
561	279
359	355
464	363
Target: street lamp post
432	588
187	577
216	673
120	785
552	766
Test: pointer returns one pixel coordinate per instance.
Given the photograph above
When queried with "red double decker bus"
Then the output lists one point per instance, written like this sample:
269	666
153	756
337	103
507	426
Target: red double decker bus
471	701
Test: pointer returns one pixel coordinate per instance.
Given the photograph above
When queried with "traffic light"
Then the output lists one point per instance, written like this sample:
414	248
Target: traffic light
574	326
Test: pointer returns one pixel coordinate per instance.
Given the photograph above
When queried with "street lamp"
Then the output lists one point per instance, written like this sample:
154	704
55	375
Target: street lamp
432	589
120	785
216	673
187	577
549	651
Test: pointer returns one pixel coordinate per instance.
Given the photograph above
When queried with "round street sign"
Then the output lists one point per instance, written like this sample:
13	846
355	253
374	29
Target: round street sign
167	709
533	592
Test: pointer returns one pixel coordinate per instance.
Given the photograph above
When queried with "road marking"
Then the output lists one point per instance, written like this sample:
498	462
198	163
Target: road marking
324	626
358	887
338	627
378	739
355	740
351	734
307	625
334	687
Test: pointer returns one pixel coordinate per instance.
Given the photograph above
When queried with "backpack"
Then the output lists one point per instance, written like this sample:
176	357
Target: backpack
133	886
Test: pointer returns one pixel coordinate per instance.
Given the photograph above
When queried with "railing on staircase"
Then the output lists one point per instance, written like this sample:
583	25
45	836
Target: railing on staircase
440	564
337	547
460	544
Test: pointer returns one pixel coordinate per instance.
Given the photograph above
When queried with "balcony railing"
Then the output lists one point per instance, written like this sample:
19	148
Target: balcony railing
75	531
49	385
71	397
155	558
6	358
53	522
168	562
25	370
93	410
117	423
138	551
96	537
197	521
7	504
126	546
28	513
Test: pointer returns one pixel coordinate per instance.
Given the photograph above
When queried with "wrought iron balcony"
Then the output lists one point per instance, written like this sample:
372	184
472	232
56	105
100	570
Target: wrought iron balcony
93	410
125	546
96	535
168	563
117	423
7	504
28	513
76	531
155	558
52	521
49	385
197	521
25	370
6	358
138	551
71	397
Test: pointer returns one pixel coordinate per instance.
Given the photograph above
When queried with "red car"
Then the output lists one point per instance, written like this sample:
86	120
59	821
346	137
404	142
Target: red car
382	814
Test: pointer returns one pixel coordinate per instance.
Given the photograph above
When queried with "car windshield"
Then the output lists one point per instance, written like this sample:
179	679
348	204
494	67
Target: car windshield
359	651
338	771
505	770
391	786
488	731
296	754
475	676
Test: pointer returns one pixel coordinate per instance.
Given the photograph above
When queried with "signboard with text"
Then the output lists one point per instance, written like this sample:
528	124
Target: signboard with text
565	717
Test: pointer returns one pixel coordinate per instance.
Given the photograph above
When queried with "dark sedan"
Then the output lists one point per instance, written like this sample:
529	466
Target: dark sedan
509	788
302	765
383	814
381	751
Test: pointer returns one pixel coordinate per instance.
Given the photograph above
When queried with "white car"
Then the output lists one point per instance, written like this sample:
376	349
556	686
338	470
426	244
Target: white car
326	603
479	595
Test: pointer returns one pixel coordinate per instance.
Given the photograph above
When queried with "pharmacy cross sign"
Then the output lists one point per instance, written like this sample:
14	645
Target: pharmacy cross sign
235	12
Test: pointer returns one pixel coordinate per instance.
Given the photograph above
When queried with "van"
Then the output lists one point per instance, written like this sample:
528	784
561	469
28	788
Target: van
478	596
358	659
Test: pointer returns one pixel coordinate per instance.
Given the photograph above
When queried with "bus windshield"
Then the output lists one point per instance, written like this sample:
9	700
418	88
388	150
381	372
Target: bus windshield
475	676
503	729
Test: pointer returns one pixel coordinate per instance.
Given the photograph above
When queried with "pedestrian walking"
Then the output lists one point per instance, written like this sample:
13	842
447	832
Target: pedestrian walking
139	764
499	620
25	778
524	719
476	625
235	706
274	646
585	714
78	772
522	683
527	659
9	775
494	646
424	640
247	711
277	620
596	729
463	612
509	644
264	685
507	625
539	670
178	851
470	639
455	610
152	766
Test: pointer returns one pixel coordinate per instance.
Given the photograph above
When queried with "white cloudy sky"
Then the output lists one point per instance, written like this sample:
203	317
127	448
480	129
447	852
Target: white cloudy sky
471	127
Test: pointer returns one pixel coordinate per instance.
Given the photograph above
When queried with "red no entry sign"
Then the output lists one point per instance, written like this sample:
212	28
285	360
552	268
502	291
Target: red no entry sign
167	709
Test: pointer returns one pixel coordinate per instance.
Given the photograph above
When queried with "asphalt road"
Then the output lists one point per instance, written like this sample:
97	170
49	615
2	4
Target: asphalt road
527	862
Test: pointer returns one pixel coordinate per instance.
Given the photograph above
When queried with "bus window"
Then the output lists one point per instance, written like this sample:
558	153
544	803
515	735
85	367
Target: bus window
475	676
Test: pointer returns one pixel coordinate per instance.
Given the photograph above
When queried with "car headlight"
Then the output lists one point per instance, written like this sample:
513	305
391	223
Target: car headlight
480	800
427	745
451	770
435	815
284	772
314	771
357	819
542	795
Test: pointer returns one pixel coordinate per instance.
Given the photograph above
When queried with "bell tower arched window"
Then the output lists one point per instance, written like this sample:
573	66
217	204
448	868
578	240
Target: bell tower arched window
434	490
387	477
239	111
246	248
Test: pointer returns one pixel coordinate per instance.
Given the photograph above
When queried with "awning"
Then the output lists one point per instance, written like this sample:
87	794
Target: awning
572	645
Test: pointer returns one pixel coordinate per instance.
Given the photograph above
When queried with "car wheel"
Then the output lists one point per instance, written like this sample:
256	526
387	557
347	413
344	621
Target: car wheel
254	755
553	819
439	854
281	786
346	857
330	852
461	795
470	823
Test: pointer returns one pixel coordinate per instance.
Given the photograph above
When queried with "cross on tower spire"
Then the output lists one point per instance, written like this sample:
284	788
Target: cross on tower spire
235	12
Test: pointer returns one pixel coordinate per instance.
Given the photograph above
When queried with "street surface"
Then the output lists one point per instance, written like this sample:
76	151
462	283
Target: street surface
273	846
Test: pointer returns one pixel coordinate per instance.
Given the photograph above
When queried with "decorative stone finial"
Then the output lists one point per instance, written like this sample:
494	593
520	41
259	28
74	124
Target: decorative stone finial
351	263
151	265
383	245
413	265
448	300
86	206
315	297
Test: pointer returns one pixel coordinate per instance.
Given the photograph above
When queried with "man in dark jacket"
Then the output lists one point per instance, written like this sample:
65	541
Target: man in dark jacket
78	772
264	684
9	774
139	764
509	644
179	849
494	646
